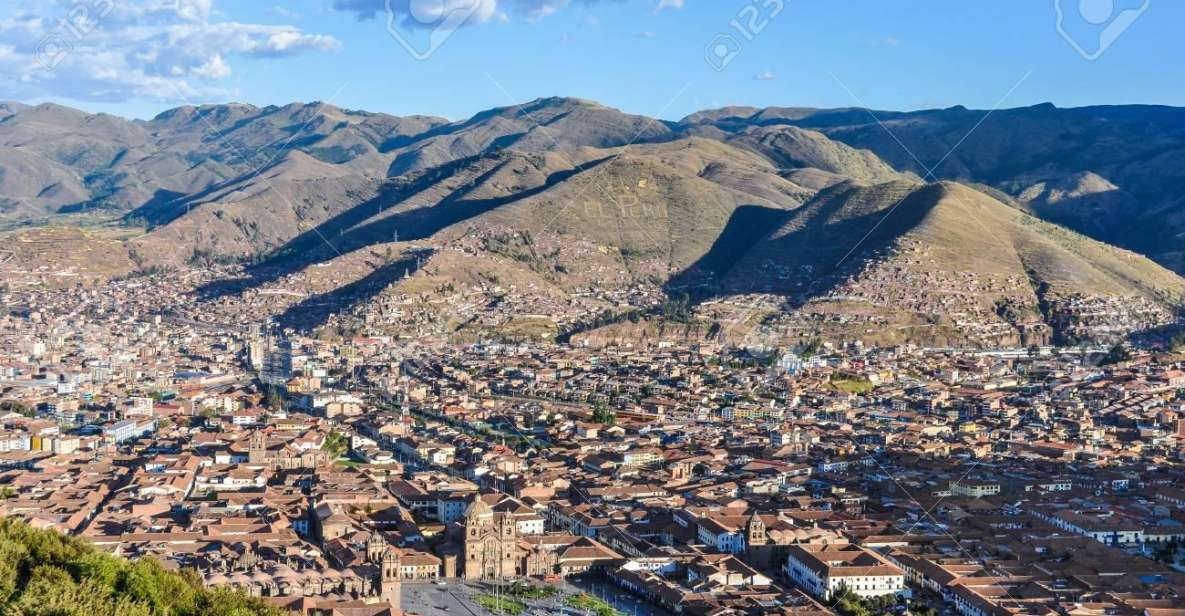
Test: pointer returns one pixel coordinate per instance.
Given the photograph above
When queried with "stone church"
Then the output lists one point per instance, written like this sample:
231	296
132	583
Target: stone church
376	583
285	457
386	559
491	543
492	546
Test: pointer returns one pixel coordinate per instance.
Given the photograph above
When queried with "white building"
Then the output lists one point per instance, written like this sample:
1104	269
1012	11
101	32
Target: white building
723	537
139	406
1102	526
529	525
974	489
823	570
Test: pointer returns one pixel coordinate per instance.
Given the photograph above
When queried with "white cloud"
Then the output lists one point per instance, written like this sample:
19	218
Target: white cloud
765	76
194	10
169	50
668	4
283	42
421	13
425	13
215	68
535	10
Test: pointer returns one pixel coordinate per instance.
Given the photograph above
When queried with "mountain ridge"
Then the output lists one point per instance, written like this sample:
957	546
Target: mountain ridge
574	200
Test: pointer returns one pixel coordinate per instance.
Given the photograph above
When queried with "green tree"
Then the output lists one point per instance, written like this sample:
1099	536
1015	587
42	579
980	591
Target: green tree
811	349
12	406
602	415
1117	355
273	400
100	569
849	603
336	445
677	310
43	573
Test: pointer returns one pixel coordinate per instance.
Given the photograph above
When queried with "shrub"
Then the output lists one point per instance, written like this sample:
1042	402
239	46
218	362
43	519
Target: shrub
43	573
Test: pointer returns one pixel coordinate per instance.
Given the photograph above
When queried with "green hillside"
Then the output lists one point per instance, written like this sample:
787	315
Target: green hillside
43	573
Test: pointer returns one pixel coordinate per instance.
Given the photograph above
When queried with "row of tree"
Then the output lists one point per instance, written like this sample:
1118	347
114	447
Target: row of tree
848	603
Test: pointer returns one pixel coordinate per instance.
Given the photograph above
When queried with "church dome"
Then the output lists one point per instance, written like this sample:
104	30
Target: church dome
478	508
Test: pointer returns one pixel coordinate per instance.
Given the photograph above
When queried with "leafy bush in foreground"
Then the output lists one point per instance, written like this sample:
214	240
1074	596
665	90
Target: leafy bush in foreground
43	573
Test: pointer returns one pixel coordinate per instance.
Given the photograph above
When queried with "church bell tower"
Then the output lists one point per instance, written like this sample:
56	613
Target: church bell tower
257	448
755	531
375	547
392	583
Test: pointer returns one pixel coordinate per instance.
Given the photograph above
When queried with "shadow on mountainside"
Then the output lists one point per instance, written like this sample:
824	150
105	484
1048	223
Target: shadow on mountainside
799	254
747	226
812	251
1163	336
379	220
314	311
422	223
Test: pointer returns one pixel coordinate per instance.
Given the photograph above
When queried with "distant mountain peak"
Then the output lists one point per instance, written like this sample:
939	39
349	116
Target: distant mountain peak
717	201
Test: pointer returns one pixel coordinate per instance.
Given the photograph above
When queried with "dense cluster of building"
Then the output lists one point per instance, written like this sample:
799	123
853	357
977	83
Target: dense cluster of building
326	473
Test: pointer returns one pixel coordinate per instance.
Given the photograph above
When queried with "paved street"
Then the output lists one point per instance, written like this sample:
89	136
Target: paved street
454	599
430	599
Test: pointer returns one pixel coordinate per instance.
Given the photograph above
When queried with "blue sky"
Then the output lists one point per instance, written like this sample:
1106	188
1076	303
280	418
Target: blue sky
643	56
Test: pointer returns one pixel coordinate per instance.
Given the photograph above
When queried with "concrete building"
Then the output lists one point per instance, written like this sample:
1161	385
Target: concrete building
826	570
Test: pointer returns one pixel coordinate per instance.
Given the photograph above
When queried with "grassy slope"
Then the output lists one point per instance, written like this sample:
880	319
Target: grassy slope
957	229
925	258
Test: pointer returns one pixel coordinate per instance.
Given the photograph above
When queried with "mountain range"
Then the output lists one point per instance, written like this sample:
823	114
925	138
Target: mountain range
990	227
